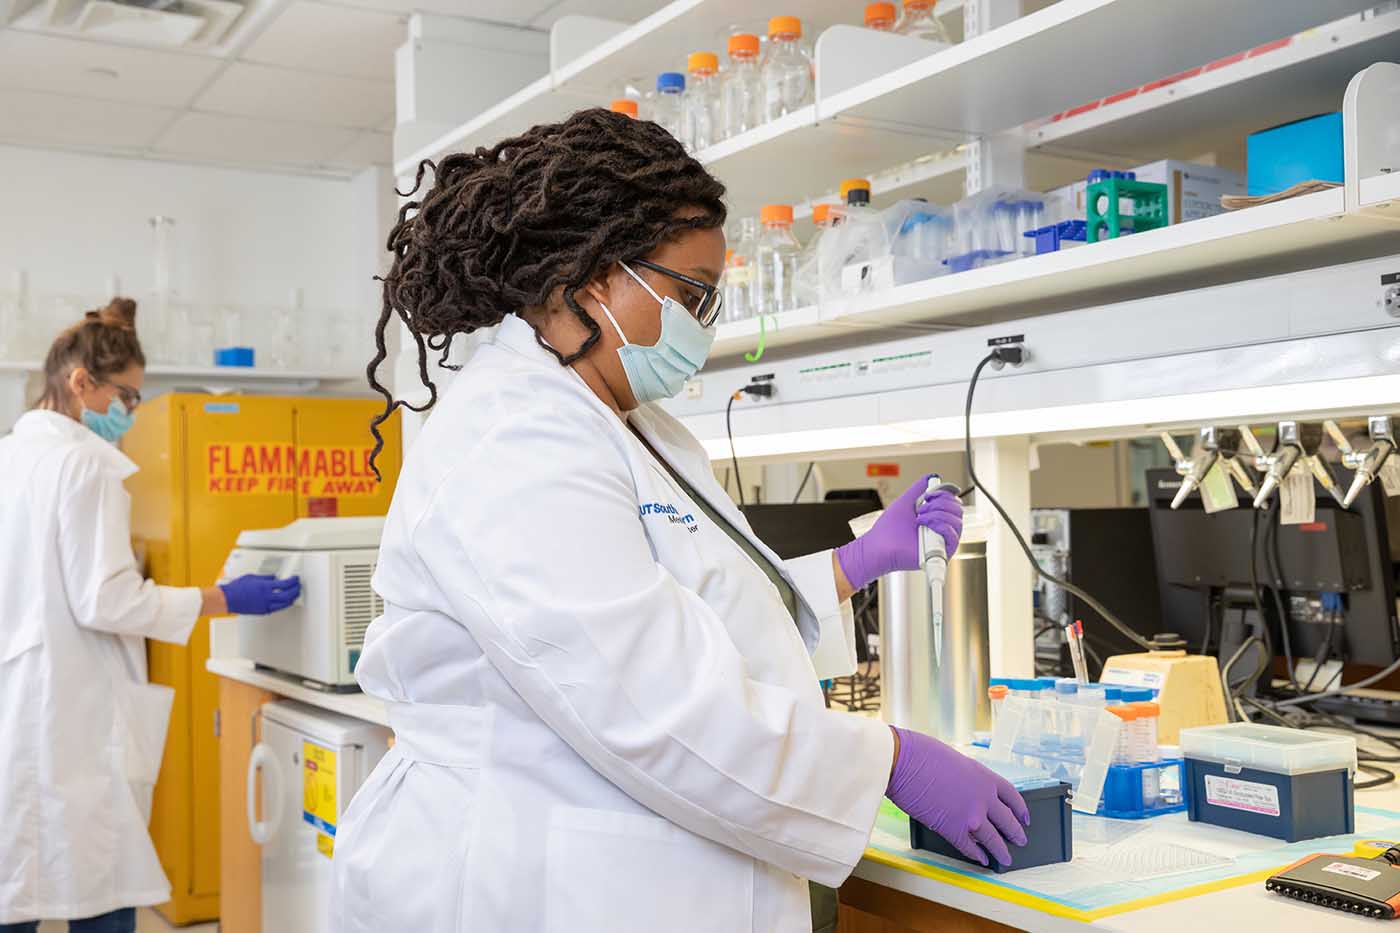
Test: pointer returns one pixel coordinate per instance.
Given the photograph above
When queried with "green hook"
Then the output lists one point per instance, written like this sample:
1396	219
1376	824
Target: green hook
757	354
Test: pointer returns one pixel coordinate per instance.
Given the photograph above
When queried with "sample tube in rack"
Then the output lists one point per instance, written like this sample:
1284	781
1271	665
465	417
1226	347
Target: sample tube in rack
1123	750
996	693
1145	727
1066	722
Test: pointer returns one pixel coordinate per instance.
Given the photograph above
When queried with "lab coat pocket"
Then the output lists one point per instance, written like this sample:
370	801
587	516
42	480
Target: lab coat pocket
146	715
635	873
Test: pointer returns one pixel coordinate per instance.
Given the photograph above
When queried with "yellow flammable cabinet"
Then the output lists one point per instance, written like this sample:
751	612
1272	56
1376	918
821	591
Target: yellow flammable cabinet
213	466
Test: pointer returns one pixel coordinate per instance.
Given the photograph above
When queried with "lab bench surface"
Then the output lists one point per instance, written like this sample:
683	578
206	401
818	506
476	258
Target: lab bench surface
879	897
928	904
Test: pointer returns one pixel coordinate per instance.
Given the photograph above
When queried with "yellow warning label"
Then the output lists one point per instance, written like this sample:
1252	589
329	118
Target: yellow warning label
325	844
318	787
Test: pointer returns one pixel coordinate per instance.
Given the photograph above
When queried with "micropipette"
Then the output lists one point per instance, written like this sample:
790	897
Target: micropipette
935	561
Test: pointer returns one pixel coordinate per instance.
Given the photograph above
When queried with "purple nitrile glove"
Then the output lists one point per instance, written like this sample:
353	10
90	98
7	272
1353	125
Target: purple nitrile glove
962	800
893	544
260	594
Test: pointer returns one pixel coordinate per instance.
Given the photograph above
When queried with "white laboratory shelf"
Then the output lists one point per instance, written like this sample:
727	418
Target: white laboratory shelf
1213	107
356	704
1051	59
1068	53
1380	195
779	330
1264	240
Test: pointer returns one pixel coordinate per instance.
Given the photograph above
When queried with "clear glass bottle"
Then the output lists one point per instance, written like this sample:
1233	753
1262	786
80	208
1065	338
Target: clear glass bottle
880	16
778	252
787	72
739	273
703	117
921	22
742	88
668	105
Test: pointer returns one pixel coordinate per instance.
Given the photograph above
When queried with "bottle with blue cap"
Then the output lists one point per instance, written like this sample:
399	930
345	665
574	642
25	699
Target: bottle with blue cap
667	107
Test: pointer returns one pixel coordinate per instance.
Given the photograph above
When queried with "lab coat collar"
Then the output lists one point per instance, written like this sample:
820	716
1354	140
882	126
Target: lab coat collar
51	426
516	334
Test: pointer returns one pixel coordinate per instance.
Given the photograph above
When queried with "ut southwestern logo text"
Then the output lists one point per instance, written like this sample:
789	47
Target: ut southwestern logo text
671	513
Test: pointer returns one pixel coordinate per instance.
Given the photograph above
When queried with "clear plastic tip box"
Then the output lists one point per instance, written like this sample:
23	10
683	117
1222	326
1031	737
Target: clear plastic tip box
1269	780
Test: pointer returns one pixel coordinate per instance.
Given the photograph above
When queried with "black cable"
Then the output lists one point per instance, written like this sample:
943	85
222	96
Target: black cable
1093	603
1275	523
805	476
728	429
1386	777
1326	654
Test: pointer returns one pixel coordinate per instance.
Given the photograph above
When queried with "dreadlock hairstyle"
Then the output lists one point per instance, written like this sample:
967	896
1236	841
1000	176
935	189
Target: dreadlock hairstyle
511	226
103	342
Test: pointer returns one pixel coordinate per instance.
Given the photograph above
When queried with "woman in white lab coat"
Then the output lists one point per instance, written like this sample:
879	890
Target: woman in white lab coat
81	731
607	712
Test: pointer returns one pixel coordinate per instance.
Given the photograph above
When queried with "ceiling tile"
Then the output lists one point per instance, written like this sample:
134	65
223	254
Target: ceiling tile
261	142
54	120
299	96
518	12
332	39
92	69
627	11
368	149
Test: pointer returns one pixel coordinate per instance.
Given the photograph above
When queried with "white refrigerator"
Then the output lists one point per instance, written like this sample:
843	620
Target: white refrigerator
311	763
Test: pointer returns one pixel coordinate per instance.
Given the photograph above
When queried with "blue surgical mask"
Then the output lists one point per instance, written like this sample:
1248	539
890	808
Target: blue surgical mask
111	425
660	372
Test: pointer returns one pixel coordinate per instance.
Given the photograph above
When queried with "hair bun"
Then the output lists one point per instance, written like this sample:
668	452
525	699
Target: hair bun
120	312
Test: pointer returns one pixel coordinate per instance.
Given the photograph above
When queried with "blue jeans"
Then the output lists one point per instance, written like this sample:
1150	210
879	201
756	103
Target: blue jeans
118	921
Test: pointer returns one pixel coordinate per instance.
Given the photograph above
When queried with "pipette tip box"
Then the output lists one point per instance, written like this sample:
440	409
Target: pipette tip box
1049	838
1271	781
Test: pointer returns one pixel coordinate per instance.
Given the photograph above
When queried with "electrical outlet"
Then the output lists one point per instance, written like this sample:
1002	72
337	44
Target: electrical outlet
1391	300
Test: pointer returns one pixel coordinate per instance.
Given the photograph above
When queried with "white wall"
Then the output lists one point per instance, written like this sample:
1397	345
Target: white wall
71	221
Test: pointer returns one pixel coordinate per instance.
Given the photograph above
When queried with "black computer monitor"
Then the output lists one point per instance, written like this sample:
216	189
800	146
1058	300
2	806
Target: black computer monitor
802	528
1203	570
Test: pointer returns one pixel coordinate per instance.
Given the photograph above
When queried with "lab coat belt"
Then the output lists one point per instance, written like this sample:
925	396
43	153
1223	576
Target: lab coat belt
452	736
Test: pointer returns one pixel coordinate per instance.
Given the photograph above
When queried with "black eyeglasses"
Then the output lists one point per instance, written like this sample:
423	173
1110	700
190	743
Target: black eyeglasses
706	311
130	397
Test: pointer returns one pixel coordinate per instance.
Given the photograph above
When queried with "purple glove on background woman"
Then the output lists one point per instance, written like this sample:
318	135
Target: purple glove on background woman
893	544
962	800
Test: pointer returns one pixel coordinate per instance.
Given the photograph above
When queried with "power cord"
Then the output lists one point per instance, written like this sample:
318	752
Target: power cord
758	390
803	485
1015	356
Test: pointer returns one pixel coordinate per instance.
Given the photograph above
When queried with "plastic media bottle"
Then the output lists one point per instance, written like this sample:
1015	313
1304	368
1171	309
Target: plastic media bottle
787	72
920	21
778	251
739	273
666	108
624	105
880	16
742	88
809	265
703	122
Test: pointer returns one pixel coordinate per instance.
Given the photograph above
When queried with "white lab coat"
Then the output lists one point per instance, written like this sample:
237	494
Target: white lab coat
81	732
606	720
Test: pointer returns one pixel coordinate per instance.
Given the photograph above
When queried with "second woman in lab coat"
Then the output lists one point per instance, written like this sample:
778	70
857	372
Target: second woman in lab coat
81	731
601	682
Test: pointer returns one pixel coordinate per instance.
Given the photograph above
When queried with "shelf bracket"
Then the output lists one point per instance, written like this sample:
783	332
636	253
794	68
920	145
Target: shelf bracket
1369	145
996	161
982	16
